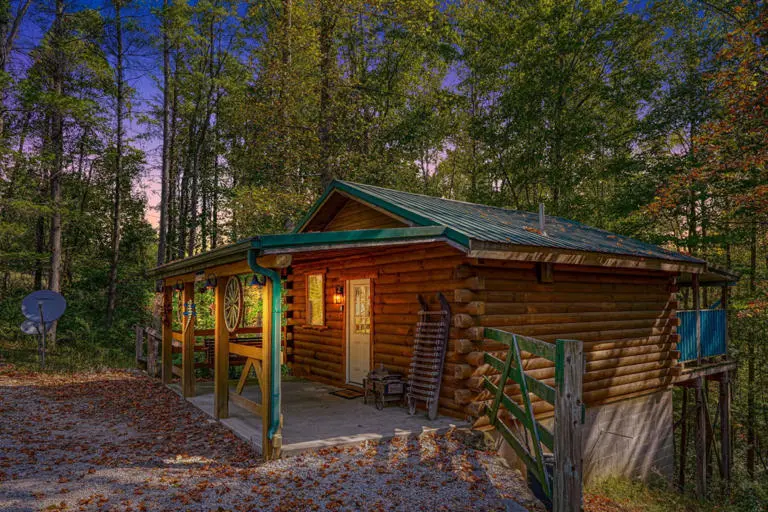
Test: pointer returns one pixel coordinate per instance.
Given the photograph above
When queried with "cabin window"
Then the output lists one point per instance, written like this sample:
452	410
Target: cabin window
315	299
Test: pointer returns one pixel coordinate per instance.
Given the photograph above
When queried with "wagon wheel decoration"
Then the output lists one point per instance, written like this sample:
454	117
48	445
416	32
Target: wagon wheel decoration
233	303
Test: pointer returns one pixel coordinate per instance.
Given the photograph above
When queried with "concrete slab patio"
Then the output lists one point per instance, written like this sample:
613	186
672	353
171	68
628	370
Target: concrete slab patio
313	418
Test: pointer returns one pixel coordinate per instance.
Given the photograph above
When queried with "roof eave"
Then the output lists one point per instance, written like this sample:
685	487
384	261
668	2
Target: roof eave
489	250
323	240
219	256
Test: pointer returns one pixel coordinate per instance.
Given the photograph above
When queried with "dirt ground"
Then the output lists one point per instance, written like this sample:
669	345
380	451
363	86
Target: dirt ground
118	440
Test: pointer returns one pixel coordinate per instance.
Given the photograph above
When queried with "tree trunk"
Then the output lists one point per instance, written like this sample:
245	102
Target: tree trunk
57	148
112	289
175	191
39	250
215	191
165	173
324	115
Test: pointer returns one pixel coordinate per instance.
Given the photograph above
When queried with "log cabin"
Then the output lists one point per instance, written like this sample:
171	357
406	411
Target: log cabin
342	297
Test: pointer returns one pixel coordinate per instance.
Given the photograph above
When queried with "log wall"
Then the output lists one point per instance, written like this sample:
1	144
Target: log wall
625	318
354	215
397	276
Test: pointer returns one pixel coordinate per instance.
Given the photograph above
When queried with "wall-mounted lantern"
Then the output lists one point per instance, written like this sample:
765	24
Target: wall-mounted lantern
338	295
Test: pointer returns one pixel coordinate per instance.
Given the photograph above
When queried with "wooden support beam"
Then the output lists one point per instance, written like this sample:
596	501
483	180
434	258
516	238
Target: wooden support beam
166	365
569	364
724	405
248	405
266	373
188	347
701	440
221	355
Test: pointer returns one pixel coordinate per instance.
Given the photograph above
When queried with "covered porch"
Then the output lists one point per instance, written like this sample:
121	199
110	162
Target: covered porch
313	418
201	356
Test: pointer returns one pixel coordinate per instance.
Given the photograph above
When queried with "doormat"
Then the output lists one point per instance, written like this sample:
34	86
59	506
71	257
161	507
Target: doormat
349	394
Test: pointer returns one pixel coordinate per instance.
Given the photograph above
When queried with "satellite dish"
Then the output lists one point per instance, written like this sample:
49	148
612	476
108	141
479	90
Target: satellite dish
30	327
51	303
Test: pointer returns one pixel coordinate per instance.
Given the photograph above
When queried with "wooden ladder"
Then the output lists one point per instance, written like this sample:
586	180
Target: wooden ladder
430	344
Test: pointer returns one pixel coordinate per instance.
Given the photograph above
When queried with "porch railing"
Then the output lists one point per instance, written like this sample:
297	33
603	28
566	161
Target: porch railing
712	334
563	487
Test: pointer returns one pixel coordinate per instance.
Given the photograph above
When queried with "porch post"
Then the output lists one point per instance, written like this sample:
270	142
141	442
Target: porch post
167	333
221	355
266	370
567	490
188	347
697	308
271	420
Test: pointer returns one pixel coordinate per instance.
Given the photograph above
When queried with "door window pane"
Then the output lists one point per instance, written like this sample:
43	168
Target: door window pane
362	311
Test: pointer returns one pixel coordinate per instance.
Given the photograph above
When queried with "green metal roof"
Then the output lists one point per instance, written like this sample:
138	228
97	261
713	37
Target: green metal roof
497	225
458	223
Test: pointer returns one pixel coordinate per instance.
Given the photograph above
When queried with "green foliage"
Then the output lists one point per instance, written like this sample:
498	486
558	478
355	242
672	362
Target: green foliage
262	209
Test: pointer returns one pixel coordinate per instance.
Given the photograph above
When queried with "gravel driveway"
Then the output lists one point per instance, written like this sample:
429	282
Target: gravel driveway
118	440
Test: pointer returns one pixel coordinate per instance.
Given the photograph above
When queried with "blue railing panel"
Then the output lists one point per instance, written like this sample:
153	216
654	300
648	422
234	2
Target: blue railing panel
712	334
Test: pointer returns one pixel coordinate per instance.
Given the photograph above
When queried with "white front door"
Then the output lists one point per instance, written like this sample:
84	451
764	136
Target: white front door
358	326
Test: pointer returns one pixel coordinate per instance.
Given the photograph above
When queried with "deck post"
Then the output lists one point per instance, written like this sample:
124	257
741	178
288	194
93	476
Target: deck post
569	369
221	355
166	365
701	440
724	404
697	308
188	346
683	440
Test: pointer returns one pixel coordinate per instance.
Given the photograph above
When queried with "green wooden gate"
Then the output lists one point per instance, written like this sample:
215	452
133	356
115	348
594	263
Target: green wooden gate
564	487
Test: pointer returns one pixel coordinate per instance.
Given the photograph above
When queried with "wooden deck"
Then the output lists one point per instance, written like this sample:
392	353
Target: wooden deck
709	370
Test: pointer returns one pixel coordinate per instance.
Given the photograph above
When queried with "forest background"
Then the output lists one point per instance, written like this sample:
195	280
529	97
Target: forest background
135	132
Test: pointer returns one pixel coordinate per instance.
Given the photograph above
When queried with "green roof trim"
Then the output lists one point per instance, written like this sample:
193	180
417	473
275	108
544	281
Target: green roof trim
298	240
370	198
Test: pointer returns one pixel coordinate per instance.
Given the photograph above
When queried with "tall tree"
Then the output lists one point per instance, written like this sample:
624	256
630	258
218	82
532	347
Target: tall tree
165	182
560	85
56	149
120	108
10	24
